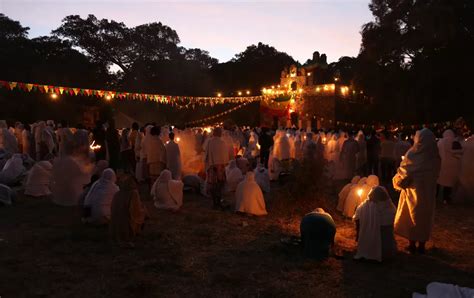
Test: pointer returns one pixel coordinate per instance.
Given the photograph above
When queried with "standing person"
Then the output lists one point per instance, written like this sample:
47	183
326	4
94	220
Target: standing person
99	139
132	137
416	179
387	158
216	159
28	141
155	154
113	145
265	141
348	158
373	153
450	152
173	157
361	164
65	139
126	152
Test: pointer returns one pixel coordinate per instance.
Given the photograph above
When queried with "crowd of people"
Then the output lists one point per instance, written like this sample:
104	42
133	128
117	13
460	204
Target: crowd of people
101	170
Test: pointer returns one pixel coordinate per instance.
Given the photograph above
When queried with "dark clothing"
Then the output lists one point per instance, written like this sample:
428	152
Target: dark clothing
373	155
113	148
265	141
317	234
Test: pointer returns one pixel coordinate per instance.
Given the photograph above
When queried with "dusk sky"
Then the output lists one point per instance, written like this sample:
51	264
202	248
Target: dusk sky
224	27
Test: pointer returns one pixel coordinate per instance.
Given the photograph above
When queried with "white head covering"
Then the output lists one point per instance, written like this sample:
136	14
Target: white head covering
39	179
101	194
167	193
249	197
423	156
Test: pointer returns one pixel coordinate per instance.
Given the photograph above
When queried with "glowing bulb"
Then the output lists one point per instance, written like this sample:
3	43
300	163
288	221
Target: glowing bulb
219	94
324	140
240	93
273	87
292	101
247	92
308	74
300	90
326	88
177	139
403	157
278	86
318	89
336	79
54	95
108	97
359	192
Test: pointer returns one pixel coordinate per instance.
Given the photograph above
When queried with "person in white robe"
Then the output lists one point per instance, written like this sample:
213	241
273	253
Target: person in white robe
249	197
167	193
26	141
353	198
100	196
374	226
38	183
155	154
345	192
13	170
7	195
8	142
173	157
416	180
274	166
281	147
298	145
65	140
444	290
69	178
262	178
233	176
450	163
465	188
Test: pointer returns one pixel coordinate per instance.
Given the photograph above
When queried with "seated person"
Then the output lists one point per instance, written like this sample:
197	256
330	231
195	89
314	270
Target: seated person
354	198
233	176
13	170
38	183
167	193
262	178
374	224
100	196
345	192
128	214
317	234
7	195
249	197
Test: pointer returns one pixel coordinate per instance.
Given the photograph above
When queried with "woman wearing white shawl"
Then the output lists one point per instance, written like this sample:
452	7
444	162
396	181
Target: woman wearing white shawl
167	193
65	140
374	225
141	171
450	163
100	196
69	179
416	179
345	192
249	197
262	178
44	141
12	170
233	176
282	148
8	142
274	166
38	183
298	145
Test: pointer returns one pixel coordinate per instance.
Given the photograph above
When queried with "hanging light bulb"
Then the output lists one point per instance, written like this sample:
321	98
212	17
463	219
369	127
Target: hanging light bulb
54	96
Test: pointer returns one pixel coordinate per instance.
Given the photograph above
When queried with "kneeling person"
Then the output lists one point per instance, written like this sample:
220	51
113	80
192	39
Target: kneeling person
317	234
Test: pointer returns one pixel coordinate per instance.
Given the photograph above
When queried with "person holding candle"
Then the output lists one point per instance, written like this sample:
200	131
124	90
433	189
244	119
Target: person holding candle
416	180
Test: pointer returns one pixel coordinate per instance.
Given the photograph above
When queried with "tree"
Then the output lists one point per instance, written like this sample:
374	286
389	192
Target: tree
114	43
10	29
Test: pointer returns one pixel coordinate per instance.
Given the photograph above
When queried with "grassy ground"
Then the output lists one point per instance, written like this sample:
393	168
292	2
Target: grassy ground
199	252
